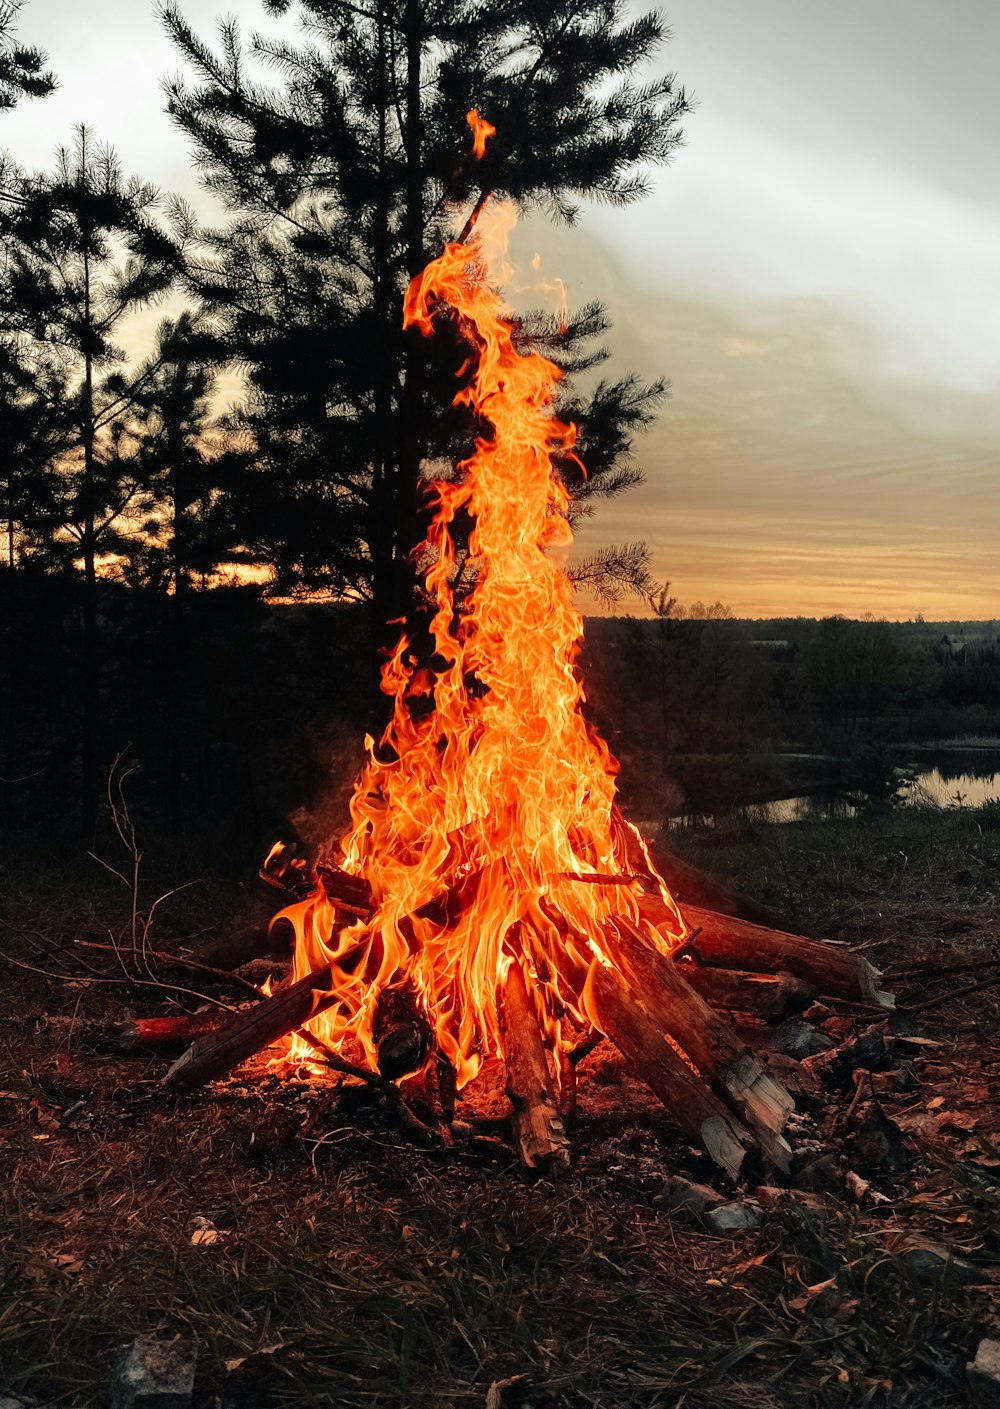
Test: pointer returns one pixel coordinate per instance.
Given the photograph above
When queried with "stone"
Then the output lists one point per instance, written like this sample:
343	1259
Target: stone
983	1375
733	1218
154	1374
800	1039
922	1257
683	1196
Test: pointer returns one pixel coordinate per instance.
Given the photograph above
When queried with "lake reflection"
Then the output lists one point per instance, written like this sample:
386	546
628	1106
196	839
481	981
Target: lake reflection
952	778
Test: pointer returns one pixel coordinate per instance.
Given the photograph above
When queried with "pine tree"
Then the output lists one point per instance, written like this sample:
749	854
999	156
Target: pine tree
189	470
342	179
84	250
22	66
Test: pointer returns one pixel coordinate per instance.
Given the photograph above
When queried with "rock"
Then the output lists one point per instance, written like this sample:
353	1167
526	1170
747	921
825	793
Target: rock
878	1145
733	1218
984	1376
682	1196
924	1258
154	1374
800	1039
768	1196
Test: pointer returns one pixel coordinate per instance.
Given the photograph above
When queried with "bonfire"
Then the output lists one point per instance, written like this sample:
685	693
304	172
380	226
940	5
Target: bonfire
489	900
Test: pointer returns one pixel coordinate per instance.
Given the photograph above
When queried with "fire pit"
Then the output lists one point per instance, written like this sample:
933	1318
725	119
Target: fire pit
489	899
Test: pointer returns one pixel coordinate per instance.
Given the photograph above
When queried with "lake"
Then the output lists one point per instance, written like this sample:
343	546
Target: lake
951	777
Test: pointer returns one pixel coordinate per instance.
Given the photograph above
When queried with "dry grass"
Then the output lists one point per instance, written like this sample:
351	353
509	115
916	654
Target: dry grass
350	1269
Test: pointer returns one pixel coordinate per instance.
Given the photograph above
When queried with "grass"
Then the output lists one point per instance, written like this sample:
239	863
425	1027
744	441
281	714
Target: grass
351	1270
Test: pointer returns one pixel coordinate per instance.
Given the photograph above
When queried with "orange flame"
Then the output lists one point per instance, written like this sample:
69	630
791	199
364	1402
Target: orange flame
489	797
482	131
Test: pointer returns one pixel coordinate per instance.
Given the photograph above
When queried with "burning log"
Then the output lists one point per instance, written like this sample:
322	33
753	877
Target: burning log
166	1034
537	1124
250	1031
401	1031
700	1114
772	998
352	894
705	1038
725	942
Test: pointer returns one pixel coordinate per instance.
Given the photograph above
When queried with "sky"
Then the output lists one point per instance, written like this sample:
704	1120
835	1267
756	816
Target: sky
817	273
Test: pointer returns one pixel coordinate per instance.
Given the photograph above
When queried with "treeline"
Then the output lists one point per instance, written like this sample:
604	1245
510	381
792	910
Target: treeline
675	694
146	526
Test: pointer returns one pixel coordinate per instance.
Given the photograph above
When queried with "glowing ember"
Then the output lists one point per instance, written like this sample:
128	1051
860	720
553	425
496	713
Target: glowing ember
488	806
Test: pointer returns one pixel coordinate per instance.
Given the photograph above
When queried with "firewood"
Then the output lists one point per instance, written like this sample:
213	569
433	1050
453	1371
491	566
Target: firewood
769	997
730	943
699	1113
705	1038
250	1031
164	1034
401	1031
350	893
538	1128
431	1092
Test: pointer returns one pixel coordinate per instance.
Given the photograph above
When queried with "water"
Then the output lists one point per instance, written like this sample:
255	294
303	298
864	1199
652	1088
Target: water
953	777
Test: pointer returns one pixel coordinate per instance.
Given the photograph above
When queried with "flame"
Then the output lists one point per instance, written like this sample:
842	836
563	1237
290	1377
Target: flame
489	802
482	131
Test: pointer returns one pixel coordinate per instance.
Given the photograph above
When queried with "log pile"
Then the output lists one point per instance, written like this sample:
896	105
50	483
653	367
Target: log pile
663	1011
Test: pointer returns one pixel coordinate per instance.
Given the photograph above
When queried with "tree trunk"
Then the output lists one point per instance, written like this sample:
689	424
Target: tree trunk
91	661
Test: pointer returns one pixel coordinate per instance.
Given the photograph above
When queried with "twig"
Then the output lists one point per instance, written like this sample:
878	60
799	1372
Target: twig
943	998
474	215
371	1078
177	960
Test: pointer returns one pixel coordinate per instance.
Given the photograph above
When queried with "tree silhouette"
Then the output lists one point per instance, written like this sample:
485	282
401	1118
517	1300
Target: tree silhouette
341	180
84	250
22	67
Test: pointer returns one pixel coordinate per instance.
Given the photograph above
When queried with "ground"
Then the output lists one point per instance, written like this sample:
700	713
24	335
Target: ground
323	1260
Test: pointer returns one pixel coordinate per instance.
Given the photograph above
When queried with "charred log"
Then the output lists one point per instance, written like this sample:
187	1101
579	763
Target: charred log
167	1034
731	943
401	1031
705	1038
772	998
700	1114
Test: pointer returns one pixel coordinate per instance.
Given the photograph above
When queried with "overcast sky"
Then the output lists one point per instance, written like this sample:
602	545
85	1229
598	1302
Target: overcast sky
818	274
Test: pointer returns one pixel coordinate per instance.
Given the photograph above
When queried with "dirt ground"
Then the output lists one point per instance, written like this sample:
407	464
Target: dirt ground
323	1259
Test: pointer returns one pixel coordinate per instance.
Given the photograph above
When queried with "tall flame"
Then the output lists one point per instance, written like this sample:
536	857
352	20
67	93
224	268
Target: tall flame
489	796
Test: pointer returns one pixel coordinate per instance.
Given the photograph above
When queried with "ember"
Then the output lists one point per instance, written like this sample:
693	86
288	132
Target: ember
489	900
